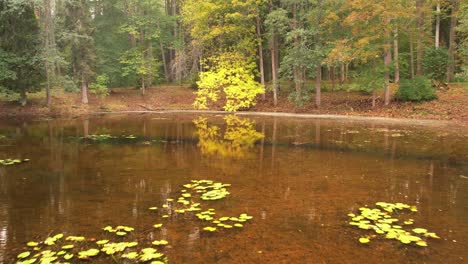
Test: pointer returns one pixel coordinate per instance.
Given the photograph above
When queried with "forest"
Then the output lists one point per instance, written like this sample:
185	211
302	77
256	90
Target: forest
240	51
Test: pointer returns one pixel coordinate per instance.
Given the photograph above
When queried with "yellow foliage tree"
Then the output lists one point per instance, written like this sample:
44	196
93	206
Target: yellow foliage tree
231	74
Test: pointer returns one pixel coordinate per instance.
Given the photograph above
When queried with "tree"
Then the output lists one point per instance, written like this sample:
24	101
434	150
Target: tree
78	38
225	33
20	61
276	24
452	40
229	71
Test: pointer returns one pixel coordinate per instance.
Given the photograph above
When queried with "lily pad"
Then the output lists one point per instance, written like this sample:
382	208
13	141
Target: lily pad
24	255
364	240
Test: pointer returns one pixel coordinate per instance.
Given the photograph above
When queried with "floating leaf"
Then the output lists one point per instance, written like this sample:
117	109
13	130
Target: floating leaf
160	242
364	240
102	242
421	243
67	247
157	225
121	233
75	238
24	255
153	208
32	244
209	228
68	256
420	230
432	235
130	255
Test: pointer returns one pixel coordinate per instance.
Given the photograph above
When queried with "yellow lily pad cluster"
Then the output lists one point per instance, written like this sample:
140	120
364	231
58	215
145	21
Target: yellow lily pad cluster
191	198
36	254
61	250
8	162
382	222
119	230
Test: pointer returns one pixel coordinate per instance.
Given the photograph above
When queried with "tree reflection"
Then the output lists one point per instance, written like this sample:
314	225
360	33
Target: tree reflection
239	136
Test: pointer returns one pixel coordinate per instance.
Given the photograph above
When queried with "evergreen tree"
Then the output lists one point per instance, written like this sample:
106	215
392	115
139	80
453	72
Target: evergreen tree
20	63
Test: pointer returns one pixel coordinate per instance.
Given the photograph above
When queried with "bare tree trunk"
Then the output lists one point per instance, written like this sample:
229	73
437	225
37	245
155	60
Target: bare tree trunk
419	41
333	78
452	42
395	55
342	72
437	26
411	56
143	88
374	97
318	86
260	55
274	70
387	62
163	55
84	90
23	97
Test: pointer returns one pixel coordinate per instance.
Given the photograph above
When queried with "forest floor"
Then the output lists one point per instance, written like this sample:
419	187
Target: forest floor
452	104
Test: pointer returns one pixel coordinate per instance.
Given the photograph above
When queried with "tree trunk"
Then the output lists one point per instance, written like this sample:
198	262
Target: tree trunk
318	86
297	80
374	97
143	88
48	95
387	62
419	41
260	55
342	73
274	70
333	78
437	26
23	97
452	42
84	90
163	55
395	55
411	53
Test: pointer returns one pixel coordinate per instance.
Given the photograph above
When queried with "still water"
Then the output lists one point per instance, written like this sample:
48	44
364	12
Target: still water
298	178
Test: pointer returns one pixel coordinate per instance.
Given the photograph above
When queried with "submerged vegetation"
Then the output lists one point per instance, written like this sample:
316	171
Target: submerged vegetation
384	222
58	248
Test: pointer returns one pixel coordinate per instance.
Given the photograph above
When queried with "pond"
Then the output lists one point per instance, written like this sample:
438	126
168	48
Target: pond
296	180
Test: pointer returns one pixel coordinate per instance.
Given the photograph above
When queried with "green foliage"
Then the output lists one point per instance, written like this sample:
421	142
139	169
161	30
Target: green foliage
20	61
435	63
78	41
416	90
231	73
368	80
135	62
100	87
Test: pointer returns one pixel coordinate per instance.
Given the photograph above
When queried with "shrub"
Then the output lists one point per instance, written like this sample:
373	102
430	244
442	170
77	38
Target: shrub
99	88
416	90
435	63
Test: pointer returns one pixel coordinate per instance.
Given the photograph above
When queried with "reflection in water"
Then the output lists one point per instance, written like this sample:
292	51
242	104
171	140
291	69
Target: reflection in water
239	136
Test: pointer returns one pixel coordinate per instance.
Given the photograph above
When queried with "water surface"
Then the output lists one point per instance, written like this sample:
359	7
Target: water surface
299	179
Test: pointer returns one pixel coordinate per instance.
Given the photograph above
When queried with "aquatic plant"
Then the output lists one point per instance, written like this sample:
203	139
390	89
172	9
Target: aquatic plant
383	222
192	198
8	162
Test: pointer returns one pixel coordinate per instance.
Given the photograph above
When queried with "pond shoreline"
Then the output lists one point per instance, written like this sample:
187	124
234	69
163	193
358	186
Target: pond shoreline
450	108
351	118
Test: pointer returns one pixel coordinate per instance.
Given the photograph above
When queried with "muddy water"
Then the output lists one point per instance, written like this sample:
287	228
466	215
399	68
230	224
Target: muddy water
298	178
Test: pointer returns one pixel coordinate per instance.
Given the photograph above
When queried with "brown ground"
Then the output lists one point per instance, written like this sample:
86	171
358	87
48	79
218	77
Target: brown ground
451	105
